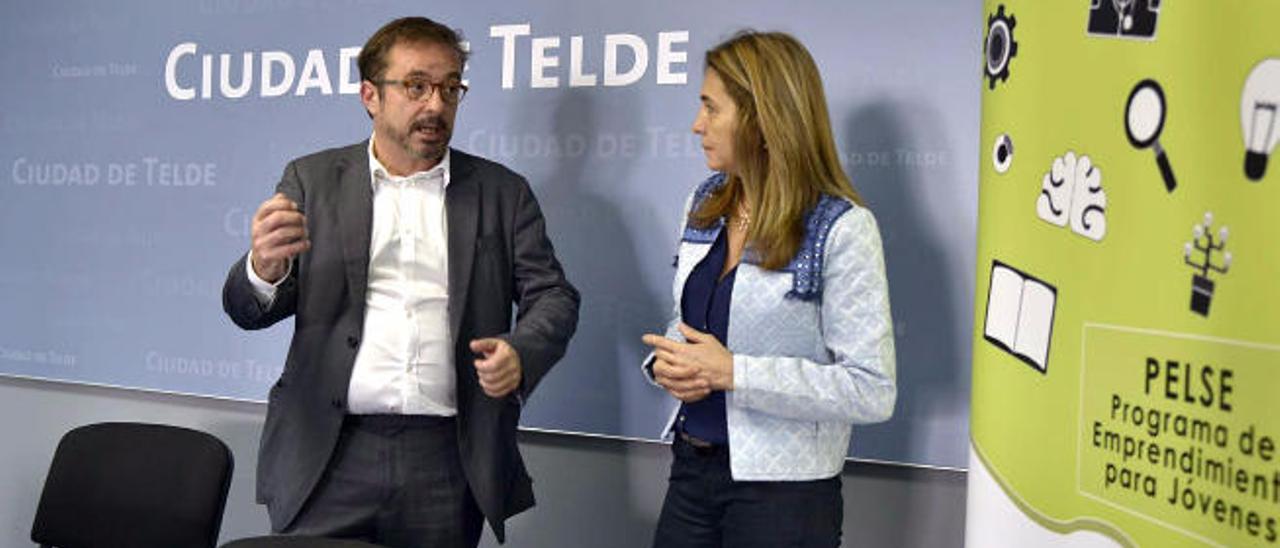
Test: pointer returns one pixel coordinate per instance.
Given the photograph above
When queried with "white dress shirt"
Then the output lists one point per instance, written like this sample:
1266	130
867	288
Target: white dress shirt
405	361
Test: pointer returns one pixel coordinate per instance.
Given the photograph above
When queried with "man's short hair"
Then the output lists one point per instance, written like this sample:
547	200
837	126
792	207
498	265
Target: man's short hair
373	57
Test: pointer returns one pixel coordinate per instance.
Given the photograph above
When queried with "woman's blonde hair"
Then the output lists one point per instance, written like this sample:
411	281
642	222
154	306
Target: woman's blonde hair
784	154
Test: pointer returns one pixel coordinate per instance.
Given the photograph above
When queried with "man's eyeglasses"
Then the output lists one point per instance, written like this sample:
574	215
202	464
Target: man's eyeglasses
422	89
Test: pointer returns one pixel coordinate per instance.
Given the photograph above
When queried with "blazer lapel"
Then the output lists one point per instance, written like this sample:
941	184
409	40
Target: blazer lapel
462	211
355	218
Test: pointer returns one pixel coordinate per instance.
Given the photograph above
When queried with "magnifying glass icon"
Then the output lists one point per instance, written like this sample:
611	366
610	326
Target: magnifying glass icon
1144	120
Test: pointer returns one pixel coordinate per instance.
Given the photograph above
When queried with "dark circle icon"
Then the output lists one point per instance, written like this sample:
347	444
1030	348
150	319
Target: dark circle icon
1144	116
1000	46
1002	153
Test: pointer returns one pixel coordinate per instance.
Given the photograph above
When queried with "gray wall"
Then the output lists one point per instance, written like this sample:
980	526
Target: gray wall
591	492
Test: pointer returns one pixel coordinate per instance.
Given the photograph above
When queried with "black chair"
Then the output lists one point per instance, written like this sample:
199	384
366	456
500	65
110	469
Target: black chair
133	485
297	542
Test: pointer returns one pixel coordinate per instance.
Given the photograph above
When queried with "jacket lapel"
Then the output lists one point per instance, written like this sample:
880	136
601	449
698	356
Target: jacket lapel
698	248
693	249
355	218
462	211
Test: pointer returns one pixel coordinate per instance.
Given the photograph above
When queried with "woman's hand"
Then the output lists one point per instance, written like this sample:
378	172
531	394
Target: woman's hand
681	382
702	358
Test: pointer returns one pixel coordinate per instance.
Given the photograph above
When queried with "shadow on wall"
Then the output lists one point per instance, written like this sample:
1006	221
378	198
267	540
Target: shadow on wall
587	218
598	387
933	384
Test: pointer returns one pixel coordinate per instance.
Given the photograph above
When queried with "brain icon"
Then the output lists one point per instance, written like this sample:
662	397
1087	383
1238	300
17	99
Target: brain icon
1072	194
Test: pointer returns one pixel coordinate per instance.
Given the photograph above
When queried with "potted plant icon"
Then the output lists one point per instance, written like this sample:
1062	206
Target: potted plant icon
1203	244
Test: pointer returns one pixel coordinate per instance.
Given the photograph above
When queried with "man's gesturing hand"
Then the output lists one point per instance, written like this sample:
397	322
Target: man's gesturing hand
279	234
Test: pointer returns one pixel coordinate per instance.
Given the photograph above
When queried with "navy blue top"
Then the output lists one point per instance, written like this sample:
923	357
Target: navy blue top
704	305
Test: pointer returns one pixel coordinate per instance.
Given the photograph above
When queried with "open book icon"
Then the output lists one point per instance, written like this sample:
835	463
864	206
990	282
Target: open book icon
1020	314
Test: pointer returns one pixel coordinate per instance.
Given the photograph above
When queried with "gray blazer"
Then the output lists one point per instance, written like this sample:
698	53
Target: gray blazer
499	254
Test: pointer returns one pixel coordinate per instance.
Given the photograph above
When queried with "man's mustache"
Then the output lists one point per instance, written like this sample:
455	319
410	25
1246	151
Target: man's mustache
432	123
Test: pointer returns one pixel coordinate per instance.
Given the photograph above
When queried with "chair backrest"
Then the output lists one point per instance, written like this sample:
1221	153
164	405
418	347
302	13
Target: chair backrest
297	542
134	485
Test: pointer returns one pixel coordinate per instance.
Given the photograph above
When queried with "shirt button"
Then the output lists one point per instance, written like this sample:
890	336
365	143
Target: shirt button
337	403
353	341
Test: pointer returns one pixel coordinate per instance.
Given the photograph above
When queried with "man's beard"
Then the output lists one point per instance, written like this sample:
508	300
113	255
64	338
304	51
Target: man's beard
430	151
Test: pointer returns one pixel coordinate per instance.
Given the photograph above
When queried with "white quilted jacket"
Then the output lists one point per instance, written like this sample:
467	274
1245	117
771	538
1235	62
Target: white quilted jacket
812	345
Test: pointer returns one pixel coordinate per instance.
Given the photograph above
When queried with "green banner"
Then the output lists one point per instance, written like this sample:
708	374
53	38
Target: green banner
1126	369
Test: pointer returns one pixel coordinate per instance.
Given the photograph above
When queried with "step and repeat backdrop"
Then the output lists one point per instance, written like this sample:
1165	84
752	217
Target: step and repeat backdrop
139	138
1127	327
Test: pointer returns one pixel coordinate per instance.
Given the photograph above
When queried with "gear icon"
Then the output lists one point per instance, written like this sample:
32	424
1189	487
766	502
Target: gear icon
1000	47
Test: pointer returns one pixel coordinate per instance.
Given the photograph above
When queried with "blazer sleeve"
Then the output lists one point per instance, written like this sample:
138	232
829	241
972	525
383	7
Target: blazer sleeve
547	303
238	299
859	386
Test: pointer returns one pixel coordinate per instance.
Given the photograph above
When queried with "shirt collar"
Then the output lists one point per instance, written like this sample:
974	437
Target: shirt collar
379	173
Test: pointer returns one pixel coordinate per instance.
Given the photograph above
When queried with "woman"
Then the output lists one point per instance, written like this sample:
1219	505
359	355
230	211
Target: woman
782	337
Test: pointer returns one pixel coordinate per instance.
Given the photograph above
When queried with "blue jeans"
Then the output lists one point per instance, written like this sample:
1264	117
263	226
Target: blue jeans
705	507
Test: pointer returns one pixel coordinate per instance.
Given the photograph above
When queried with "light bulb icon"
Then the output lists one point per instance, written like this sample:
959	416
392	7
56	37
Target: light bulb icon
1259	103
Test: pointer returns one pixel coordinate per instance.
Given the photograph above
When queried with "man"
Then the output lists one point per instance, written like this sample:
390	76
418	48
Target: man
394	419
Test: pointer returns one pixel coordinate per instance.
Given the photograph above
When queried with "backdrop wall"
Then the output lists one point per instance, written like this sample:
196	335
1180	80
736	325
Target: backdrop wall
138	139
